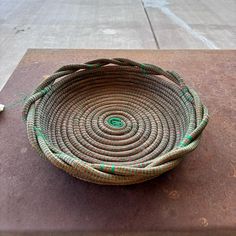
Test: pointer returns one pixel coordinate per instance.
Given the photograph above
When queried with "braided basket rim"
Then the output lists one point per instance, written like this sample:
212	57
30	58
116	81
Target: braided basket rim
106	173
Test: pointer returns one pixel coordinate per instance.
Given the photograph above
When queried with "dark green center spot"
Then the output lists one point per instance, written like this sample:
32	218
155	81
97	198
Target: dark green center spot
116	122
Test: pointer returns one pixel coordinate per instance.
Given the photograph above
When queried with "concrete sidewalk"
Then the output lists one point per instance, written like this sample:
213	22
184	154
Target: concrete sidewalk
120	24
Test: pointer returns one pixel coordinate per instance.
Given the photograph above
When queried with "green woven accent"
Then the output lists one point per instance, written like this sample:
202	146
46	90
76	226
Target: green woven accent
113	169
45	91
116	122
182	144
119	123
39	133
143	68
102	167
189	137
91	66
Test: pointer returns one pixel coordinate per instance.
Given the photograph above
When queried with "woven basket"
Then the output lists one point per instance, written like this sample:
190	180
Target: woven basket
114	121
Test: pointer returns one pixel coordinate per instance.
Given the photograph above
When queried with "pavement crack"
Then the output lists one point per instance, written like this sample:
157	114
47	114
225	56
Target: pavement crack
150	24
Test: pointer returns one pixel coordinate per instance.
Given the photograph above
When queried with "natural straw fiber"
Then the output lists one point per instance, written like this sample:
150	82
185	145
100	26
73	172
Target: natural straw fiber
114	121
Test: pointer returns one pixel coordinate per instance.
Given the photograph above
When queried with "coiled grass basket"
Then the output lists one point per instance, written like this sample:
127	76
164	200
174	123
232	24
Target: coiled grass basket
114	121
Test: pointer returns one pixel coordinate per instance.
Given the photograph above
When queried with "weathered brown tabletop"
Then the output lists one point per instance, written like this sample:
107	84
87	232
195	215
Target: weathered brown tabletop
198	196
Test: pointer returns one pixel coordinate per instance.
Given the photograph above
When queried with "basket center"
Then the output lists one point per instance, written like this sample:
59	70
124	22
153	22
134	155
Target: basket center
116	122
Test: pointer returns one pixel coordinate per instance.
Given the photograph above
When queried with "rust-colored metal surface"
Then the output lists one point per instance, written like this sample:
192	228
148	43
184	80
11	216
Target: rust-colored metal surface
198	196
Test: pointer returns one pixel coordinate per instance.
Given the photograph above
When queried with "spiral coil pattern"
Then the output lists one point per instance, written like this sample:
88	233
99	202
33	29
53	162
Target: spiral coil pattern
114	121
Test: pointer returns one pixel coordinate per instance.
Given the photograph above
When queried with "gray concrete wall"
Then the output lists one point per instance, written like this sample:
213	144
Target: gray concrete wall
119	24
